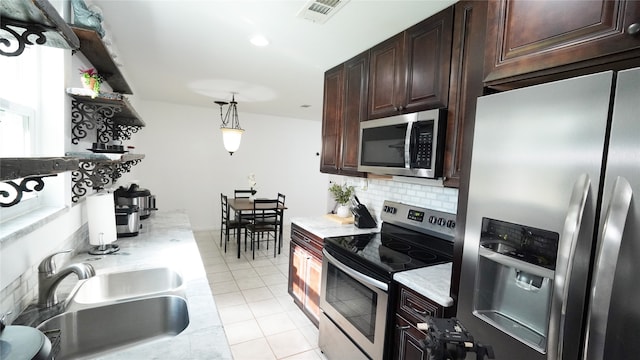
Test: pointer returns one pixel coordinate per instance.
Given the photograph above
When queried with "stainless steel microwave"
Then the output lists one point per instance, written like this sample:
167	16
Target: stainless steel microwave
408	145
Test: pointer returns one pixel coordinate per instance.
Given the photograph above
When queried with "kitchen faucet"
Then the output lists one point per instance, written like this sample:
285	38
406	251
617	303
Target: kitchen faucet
48	278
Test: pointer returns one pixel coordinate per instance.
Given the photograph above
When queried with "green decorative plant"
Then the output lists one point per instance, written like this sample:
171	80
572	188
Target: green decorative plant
91	80
341	193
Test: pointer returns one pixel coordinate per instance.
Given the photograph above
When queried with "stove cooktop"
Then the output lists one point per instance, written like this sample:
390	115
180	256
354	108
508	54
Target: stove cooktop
410	238
381	255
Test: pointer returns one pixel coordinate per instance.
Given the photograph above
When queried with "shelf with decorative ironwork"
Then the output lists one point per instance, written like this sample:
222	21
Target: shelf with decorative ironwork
110	114
95	50
24	21
30	173
95	171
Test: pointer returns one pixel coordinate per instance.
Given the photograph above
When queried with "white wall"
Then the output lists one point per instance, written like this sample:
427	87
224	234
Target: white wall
187	167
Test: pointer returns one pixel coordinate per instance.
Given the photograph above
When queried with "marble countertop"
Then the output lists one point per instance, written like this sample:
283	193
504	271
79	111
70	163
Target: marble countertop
323	227
166	239
433	282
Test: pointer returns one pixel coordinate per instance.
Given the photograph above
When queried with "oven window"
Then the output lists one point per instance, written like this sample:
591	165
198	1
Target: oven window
383	146
354	301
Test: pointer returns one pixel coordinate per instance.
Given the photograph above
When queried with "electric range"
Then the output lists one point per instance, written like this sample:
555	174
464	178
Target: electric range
357	272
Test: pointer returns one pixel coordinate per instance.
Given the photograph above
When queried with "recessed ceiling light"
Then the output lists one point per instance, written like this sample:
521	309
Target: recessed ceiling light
259	40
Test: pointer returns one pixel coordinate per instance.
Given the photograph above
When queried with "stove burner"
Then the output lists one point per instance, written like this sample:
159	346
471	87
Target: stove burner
422	255
398	246
392	257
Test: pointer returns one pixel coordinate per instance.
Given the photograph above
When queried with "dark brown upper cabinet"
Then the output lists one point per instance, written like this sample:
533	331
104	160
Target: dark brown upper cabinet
465	86
331	119
345	105
530	42
410	71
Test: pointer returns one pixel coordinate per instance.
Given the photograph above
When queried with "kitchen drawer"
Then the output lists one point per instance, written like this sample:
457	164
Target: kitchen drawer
307	240
415	308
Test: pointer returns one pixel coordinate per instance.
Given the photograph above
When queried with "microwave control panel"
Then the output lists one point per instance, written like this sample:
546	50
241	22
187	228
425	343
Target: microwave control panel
423	139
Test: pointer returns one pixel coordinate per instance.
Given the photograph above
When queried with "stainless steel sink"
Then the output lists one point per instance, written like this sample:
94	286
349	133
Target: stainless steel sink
128	284
89	331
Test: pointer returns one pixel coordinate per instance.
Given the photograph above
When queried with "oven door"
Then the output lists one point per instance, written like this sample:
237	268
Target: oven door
356	303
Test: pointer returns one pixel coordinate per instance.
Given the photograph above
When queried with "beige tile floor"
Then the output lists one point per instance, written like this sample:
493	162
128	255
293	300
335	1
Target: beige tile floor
259	317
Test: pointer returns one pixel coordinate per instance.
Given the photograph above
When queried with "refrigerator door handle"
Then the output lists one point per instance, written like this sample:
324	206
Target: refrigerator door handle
564	265
605	268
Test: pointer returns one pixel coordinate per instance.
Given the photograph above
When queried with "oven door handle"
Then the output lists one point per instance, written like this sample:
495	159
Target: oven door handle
347	270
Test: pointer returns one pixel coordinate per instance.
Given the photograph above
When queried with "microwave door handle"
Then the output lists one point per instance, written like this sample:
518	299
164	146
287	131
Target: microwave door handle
605	268
564	267
408	139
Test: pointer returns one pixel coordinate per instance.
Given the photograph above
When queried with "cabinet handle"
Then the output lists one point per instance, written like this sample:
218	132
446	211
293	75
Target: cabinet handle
406	327
421	312
633	29
400	108
395	108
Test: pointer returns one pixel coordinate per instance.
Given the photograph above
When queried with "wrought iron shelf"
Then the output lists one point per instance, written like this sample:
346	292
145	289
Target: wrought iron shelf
95	50
110	114
95	171
26	21
31	171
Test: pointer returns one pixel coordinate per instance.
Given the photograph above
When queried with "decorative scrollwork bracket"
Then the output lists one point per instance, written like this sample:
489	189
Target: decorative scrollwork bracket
22	33
87	117
14	196
97	175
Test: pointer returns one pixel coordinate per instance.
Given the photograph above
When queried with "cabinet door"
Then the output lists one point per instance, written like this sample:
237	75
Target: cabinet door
465	86
297	273
407	343
331	119
428	54
312	291
356	77
387	77
530	38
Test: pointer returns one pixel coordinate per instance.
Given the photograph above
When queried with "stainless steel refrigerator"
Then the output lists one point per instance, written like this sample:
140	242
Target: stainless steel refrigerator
551	261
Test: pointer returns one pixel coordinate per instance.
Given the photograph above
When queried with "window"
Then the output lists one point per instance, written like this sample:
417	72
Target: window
32	125
16	130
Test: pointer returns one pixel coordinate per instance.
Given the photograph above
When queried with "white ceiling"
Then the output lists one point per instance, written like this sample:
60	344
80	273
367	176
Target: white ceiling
195	52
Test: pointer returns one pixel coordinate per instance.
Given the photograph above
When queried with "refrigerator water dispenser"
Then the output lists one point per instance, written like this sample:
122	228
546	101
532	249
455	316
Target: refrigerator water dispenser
514	281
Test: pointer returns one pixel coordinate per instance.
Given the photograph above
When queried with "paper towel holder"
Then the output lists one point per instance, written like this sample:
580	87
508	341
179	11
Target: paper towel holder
103	249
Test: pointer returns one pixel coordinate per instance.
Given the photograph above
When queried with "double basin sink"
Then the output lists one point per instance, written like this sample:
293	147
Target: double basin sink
116	310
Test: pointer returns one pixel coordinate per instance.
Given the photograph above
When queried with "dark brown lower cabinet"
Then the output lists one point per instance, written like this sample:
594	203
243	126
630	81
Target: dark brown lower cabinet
411	309
408	339
305	271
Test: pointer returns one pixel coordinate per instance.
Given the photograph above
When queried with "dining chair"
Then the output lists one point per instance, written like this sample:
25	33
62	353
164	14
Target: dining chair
280	219
244	194
264	222
227	223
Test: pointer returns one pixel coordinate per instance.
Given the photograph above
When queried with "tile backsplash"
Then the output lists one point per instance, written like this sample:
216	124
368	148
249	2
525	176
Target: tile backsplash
373	193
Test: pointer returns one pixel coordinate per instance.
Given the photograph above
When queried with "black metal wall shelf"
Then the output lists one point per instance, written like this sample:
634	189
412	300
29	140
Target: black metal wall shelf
95	171
110	114
31	171
26	21
94	49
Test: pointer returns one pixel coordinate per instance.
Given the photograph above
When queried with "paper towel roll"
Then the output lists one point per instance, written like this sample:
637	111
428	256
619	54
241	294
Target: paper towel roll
101	216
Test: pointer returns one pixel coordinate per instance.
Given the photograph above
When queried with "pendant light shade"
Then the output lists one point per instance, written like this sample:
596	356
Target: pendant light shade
231	130
231	139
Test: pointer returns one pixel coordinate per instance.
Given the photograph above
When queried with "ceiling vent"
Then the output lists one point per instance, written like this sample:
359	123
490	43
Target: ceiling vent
319	11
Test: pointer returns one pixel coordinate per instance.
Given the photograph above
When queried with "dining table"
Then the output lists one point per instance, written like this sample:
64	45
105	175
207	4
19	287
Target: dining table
240	205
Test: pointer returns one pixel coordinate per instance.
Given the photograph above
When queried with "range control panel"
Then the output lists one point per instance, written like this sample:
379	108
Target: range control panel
418	218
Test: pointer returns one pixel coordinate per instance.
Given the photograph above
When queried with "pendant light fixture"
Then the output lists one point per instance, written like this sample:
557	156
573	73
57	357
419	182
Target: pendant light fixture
231	130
